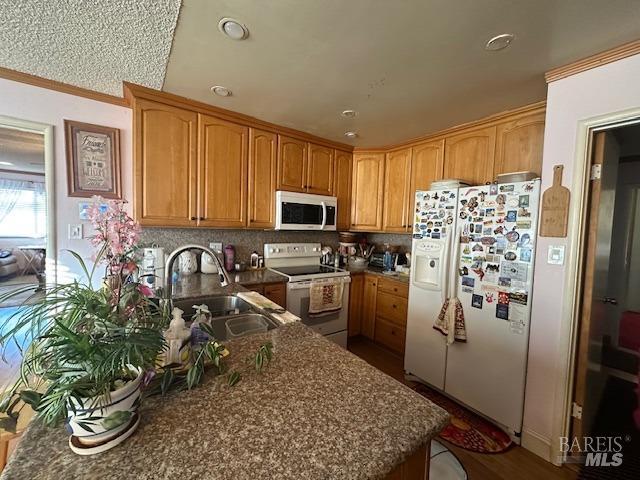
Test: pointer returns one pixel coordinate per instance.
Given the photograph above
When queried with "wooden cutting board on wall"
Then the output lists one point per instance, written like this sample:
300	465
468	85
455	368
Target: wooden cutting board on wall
555	207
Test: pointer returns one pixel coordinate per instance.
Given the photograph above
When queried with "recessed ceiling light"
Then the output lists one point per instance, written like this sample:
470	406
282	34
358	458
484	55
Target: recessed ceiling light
221	91
499	42
349	113
6	163
233	29
350	134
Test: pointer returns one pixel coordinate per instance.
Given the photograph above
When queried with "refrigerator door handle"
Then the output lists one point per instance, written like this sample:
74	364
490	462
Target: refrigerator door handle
444	269
453	265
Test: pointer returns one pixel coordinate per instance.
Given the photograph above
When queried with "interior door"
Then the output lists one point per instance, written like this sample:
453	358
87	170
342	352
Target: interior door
599	301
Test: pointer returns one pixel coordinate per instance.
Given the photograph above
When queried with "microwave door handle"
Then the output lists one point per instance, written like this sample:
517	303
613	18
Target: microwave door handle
324	215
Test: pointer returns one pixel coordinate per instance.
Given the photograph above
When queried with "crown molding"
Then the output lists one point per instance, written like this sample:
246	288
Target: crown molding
593	61
36	81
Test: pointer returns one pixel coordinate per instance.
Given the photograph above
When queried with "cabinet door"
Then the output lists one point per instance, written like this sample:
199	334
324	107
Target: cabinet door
165	165
292	164
320	170
519	145
222	155
276	292
426	167
262	178
367	192
396	190
355	304
469	156
342	187
368	319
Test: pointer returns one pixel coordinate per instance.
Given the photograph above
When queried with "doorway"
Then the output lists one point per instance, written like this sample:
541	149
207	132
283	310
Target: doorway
27	223
606	396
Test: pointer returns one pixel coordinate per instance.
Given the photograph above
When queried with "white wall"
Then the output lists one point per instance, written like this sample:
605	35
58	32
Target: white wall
610	88
47	106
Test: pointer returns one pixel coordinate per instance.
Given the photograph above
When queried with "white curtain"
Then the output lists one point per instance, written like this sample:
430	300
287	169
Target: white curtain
9	193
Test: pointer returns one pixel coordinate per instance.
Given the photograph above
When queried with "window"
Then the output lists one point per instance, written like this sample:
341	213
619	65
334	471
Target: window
22	209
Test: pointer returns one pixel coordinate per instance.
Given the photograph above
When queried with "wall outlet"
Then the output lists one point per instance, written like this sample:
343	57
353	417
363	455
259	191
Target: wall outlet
75	231
216	246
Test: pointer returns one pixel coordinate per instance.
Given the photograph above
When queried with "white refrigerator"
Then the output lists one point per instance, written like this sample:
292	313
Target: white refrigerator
476	243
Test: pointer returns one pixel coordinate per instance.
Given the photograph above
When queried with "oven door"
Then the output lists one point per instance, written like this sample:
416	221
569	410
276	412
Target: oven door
297	211
333	325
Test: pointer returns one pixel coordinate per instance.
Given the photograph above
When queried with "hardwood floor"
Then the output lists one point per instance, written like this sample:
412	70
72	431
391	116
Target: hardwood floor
515	463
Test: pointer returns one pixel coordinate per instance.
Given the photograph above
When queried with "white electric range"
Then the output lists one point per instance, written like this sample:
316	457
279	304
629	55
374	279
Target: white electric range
300	263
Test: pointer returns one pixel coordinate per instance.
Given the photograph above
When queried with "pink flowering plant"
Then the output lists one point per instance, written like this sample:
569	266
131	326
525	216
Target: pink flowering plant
79	341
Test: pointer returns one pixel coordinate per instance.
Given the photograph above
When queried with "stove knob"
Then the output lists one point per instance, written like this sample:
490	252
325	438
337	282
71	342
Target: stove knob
271	250
277	250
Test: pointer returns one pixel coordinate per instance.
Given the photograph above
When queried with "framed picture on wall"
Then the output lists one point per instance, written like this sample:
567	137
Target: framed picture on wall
93	160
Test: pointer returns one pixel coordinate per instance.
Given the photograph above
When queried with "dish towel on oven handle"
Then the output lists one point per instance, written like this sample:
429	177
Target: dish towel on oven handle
325	296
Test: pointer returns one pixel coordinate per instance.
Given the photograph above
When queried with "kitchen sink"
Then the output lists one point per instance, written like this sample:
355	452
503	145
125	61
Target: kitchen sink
219	306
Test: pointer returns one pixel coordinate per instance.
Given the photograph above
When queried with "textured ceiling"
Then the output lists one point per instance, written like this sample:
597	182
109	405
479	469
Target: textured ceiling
94	44
408	67
25	150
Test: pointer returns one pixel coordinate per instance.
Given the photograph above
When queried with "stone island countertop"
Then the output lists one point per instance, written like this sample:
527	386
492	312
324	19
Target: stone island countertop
316	412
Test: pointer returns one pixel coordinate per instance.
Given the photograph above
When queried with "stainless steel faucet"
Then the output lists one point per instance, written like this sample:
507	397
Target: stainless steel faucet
168	267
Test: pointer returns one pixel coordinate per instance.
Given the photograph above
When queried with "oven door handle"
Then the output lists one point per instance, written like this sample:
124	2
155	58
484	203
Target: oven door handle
305	284
324	215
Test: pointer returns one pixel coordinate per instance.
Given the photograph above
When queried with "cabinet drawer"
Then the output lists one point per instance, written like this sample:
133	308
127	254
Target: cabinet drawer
394	287
390	335
392	308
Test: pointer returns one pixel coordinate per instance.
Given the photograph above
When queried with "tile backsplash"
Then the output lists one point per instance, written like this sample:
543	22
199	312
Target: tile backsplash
245	241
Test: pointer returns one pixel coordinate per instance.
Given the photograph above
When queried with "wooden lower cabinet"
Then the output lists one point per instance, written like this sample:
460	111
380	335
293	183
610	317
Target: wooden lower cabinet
369	295
416	467
356	290
276	292
378	310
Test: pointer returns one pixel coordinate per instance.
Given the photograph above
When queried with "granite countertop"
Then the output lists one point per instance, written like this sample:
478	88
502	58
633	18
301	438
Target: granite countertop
316	412
202	284
400	277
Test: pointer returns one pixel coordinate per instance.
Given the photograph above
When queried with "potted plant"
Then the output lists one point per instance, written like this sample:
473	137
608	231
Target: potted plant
88	350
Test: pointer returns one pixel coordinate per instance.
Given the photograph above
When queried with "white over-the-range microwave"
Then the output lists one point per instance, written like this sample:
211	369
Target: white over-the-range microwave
305	211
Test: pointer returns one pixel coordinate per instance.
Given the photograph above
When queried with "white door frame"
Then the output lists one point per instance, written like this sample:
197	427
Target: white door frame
573	274
50	186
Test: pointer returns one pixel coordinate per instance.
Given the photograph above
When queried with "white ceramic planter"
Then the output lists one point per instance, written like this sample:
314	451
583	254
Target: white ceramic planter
97	421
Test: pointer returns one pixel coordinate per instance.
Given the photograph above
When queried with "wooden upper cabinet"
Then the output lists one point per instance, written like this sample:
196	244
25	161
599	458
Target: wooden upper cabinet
320	170
343	164
367	191
292	164
396	190
262	178
165	165
519	145
222	159
469	156
427	161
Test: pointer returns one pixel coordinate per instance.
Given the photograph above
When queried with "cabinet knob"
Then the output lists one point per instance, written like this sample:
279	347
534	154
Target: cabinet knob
202	218
193	218
395	306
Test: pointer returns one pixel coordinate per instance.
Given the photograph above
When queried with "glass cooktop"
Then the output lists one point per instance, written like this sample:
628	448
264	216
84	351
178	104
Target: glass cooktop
307	270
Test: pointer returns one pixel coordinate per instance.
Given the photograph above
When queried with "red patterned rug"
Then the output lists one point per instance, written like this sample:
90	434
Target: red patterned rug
467	430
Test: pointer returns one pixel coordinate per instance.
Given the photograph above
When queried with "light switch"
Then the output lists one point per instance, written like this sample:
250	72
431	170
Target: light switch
75	231
555	255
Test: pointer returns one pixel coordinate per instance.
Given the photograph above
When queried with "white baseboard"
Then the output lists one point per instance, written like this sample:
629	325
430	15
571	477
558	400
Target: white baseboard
536	443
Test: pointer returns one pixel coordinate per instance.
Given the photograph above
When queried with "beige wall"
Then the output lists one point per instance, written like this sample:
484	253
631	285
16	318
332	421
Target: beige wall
37	104
600	91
